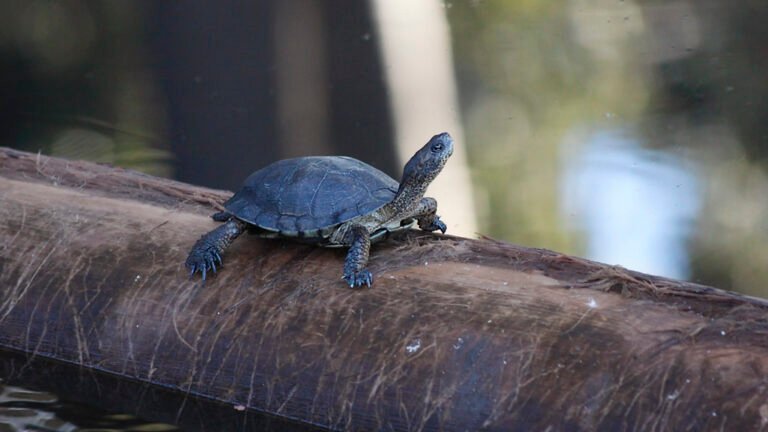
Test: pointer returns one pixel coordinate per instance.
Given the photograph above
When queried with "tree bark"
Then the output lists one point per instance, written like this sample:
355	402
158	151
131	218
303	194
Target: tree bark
455	334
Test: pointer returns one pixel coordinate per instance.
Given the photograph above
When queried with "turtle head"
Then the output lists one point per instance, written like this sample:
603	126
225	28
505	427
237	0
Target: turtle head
427	163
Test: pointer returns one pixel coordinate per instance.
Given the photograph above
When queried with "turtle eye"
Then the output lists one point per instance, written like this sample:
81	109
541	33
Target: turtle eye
436	147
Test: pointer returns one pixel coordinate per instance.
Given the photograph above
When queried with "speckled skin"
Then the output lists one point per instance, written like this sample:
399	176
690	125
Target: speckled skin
252	207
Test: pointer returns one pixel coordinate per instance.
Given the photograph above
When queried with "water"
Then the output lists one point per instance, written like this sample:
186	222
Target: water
22	409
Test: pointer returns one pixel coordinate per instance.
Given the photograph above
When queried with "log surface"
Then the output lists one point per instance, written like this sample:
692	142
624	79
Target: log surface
456	334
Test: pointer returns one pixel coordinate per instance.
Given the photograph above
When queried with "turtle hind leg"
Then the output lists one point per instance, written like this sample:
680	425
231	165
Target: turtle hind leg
355	273
426	215
208	249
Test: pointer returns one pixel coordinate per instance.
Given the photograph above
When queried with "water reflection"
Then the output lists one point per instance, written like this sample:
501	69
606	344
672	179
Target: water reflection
634	207
22	410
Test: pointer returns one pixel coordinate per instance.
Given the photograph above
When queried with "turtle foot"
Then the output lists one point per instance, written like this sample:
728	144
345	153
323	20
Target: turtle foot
203	258
358	279
208	249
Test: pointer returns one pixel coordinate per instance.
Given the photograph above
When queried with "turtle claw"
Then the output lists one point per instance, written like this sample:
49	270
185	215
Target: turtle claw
435	225
358	279
441	226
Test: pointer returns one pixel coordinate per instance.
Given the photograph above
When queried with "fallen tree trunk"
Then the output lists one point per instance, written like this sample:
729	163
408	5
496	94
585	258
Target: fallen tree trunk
456	334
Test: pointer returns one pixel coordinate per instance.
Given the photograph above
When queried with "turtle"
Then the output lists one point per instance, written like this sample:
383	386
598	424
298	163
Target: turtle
331	201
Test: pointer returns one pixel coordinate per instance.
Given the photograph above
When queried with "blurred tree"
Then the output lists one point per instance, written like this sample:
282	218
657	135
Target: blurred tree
218	66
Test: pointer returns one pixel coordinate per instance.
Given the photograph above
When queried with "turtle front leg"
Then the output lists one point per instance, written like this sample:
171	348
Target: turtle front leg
209	248
426	215
355	272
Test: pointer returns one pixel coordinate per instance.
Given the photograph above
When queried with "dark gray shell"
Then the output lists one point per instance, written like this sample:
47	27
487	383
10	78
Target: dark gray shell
310	196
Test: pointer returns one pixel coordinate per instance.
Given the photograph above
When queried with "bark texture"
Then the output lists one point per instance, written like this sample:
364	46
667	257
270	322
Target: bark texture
454	335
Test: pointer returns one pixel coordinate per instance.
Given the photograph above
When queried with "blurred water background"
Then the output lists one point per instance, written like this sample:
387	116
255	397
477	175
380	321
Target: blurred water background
632	132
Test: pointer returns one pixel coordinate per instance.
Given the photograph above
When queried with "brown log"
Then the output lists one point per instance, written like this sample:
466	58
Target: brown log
456	334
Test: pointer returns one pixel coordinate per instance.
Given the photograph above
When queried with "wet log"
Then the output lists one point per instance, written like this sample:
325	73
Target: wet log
456	334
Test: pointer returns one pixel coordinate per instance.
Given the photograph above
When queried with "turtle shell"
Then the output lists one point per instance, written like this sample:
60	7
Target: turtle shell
309	197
